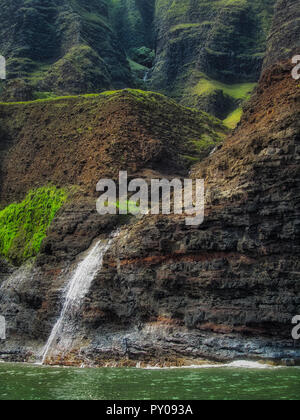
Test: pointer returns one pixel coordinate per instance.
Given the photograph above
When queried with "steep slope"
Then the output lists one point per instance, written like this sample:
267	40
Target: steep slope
78	140
284	40
168	293
205	54
72	142
230	288
133	22
65	47
209	54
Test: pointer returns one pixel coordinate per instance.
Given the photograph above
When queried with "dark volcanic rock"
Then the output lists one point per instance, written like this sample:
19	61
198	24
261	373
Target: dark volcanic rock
172	294
230	288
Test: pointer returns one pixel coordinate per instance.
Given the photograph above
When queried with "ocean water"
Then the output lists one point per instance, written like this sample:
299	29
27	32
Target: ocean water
233	382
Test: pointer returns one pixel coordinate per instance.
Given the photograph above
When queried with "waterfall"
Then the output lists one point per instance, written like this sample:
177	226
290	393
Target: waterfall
147	75
77	289
145	79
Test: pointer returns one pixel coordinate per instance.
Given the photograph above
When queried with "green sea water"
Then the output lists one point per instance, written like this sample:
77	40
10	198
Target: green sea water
28	382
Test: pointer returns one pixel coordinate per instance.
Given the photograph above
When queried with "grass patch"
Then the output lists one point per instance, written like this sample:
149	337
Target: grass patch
234	118
237	91
48	98
23	226
136	66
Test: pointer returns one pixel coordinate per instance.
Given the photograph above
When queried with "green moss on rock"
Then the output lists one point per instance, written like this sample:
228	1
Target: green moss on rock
23	226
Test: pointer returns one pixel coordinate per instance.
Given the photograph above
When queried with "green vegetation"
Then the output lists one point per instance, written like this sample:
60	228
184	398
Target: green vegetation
138	94
204	142
210	53
132	21
236	91
131	207
23	226
78	47
143	55
136	67
141	135
234	118
44	95
81	70
65	47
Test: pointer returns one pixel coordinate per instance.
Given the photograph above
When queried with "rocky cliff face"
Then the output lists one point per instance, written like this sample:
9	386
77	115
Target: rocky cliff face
74	142
229	288
172	294
133	22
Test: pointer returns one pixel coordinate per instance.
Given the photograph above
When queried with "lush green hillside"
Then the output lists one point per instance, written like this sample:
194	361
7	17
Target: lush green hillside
210	53
205	54
133	20
62	46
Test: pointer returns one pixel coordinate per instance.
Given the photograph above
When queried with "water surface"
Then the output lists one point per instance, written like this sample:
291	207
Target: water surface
27	382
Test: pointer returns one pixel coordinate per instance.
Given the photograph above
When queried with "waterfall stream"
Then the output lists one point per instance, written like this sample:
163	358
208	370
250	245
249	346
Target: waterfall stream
77	289
145	79
147	75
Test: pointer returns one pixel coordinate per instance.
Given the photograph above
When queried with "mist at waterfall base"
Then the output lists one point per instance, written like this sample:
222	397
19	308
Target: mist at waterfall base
27	382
